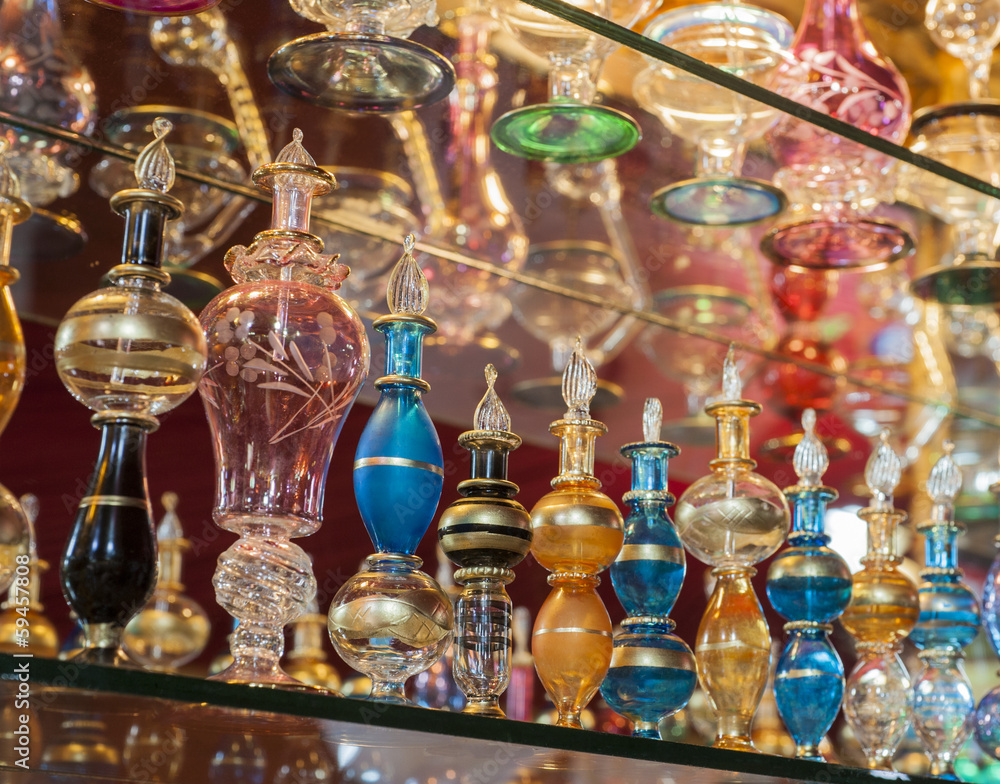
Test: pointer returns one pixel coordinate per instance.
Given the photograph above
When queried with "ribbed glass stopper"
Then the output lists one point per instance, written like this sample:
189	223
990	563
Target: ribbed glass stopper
810	460
154	168
945	481
652	419
294	152
882	473
579	384
407	292
732	386
490	413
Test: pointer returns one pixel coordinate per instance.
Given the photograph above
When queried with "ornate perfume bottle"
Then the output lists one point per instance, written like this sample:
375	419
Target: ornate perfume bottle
129	352
732	519
391	620
809	585
943	702
882	611
578	531
172	629
652	673
987	726
287	358
15	528
307	661
486	534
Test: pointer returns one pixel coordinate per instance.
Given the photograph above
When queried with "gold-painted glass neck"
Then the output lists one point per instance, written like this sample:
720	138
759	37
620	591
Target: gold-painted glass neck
576	451
882	528
732	431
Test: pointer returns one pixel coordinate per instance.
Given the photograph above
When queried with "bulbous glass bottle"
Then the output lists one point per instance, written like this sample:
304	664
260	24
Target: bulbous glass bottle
652	673
731	519
287	358
882	612
987	723
809	585
129	352
577	531
391	621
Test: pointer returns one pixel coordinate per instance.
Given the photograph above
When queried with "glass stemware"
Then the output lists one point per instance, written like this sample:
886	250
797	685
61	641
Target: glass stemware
158	7
835	184
129	352
743	40
570	127
365	63
287	358
970	31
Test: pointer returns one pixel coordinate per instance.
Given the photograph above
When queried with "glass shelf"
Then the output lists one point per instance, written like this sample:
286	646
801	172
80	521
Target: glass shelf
193	724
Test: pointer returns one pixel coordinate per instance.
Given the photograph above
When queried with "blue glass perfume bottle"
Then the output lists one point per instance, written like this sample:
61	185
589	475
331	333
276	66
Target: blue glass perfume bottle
391	620
943	702
987	725
652	673
809	585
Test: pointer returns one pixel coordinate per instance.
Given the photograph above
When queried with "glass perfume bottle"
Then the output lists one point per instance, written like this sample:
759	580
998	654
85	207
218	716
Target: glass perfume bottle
307	661
809	585
287	358
652	673
732	519
987	724
943	702
391	620
129	352
578	532
43	639
882	612
835	184
172	629
15	528
486	533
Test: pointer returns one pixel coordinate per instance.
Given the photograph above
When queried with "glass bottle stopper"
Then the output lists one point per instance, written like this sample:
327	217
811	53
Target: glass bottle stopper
810	459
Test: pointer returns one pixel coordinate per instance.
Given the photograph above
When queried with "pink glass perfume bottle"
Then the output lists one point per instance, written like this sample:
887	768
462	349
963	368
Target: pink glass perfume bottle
287	357
833	183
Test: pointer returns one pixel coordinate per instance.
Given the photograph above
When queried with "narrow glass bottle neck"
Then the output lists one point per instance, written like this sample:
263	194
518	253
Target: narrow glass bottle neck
882	528
145	224
941	547
650	465
809	512
290	207
404	342
170	558
576	451
830	25
732	432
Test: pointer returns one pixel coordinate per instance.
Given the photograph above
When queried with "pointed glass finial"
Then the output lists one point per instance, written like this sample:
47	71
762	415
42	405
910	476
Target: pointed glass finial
154	168
407	292
10	186
579	384
945	481
810	459
652	419
170	526
490	413
732	387
294	152
883	472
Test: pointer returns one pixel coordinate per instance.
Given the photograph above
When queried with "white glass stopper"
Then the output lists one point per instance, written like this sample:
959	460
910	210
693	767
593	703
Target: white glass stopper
883	472
652	419
154	167
945	481
294	152
810	460
732	387
29	503
407	292
169	528
579	384
490	413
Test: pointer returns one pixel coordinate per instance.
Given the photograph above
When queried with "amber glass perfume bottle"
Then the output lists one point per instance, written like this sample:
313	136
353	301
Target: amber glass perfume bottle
578	532
486	533
732	519
883	610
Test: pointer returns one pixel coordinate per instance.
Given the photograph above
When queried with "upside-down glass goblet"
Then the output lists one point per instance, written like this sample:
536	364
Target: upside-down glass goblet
970	31
745	41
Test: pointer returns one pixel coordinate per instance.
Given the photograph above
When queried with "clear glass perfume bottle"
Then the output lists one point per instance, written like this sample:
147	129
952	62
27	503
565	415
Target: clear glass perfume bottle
809	585
486	533
882	612
129	352
578	532
732	519
287	358
306	660
652	673
943	702
391	620
172	629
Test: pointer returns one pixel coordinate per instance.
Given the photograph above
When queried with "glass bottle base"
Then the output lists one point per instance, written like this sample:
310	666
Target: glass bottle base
718	201
256	673
484	707
564	132
735	743
828	244
361	73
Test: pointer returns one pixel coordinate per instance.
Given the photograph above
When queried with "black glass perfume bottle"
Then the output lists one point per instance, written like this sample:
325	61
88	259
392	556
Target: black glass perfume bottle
129	352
